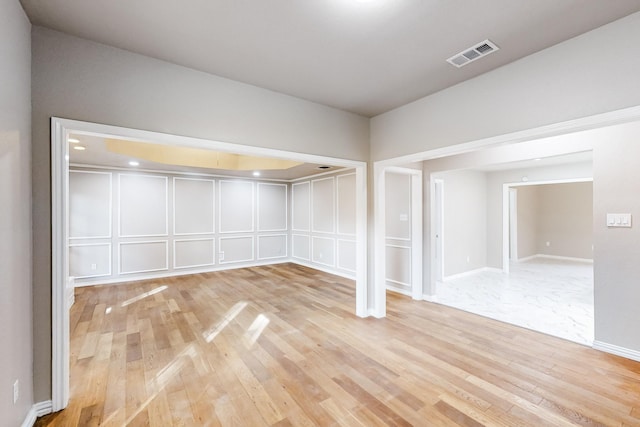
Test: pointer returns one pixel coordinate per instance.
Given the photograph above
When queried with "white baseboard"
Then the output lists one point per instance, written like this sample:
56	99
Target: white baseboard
398	290
558	257
429	298
37	410
321	268
471	273
617	350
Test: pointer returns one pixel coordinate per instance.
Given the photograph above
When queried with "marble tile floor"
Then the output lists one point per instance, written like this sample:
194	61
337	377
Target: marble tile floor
547	295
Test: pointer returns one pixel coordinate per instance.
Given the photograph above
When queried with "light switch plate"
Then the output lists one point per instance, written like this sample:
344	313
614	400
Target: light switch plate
619	220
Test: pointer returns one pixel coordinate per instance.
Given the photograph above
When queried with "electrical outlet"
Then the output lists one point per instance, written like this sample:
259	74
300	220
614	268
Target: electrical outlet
548	244
16	391
221	256
94	266
468	259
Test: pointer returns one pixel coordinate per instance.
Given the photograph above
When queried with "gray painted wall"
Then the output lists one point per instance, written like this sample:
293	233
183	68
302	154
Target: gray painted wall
82	80
616	186
527	220
564	82
15	214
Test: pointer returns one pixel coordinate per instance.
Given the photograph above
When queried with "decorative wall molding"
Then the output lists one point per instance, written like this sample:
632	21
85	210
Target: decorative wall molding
39	409
213	201
332	216
286	246
313	246
175	251
338	178
166	253
293	206
339	257
293	244
221	252
109	262
471	273
221	228
166	206
285	211
110	233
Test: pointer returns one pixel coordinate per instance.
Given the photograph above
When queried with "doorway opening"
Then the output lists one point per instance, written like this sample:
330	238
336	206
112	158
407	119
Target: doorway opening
62	130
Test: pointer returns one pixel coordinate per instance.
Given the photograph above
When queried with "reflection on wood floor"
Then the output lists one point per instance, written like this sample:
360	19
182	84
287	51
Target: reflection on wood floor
280	346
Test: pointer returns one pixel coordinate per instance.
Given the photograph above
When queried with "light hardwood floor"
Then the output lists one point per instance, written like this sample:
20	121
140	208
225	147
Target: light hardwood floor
280	346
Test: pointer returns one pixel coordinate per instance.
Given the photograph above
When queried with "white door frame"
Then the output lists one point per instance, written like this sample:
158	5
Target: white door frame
437	234
416	227
625	115
506	191
513	224
60	130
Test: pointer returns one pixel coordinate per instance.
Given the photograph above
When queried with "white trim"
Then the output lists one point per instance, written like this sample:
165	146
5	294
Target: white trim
409	285
286	207
220	251
293	200
429	298
398	282
397	290
110	235
39	409
312	205
213	201
166	252
417	218
213	252
253	206
610	118
108	245
179	173
471	273
293	246
338	204
558	257
338	255
436	231
333	242
298	261
505	210
310	177
59	266
617	350
390	245
166	206
379	297
286	246
402	239
60	129
180	273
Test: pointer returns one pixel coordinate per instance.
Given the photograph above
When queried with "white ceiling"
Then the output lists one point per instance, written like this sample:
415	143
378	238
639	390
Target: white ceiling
364	56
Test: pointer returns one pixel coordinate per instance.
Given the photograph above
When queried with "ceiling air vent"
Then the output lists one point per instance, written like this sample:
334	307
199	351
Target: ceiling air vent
471	54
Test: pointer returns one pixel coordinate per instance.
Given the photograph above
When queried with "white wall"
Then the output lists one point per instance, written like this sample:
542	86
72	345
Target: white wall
77	79
16	351
564	82
398	239
128	225
323	218
465	219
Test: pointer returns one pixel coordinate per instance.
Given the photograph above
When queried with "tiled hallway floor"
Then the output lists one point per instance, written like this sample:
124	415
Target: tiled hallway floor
546	295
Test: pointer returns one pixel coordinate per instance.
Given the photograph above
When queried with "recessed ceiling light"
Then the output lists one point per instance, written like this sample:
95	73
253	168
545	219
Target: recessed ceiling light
79	147
73	140
256	173
536	160
134	163
324	167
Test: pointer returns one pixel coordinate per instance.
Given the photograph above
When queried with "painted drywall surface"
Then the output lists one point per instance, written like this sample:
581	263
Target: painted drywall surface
527	220
77	79
465	219
323	222
128	225
495	185
616	185
398	231
15	214
565	220
561	83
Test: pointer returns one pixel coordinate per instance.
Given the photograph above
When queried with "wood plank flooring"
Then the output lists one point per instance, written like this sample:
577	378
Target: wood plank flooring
280	346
